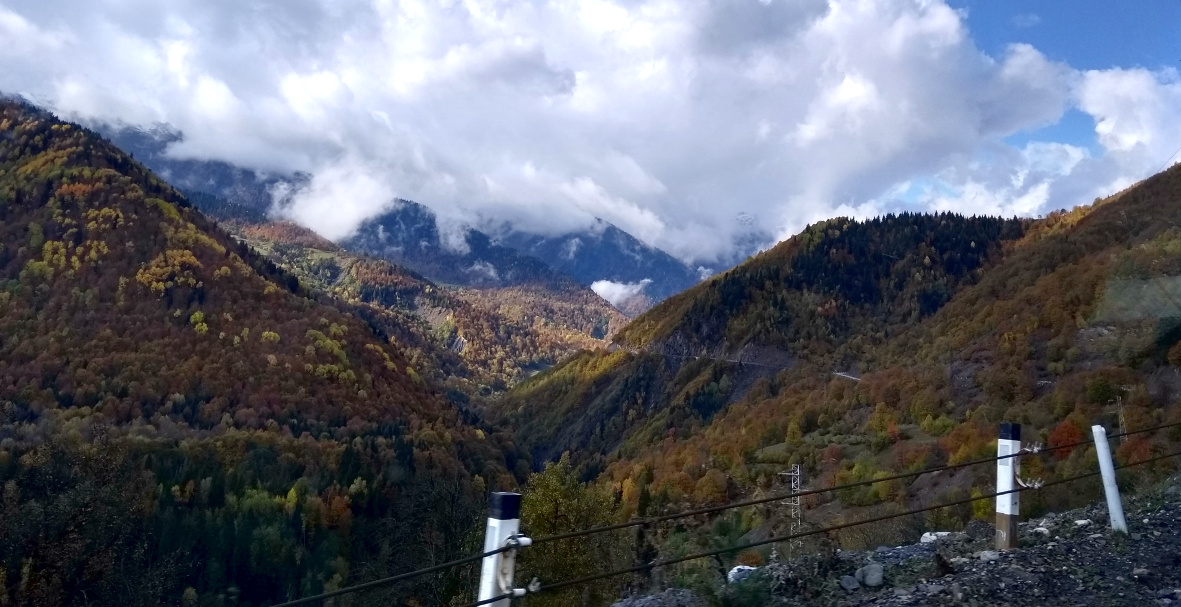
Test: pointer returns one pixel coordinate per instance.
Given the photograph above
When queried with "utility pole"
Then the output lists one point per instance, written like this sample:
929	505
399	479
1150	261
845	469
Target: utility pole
1119	410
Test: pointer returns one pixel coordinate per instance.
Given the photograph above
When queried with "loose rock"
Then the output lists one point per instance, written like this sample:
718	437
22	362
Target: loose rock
1067	564
979	530
872	575
932	536
673	597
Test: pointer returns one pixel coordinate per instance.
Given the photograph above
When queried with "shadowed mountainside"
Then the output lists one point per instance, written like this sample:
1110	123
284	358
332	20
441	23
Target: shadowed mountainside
942	326
825	297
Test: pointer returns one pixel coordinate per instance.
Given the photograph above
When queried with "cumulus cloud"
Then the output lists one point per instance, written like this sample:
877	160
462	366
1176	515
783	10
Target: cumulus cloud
1138	126
692	125
618	293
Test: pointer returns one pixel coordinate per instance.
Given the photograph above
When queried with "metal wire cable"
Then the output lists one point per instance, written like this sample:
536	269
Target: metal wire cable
396	578
489	601
689	513
781	496
1143	430
648	521
784	538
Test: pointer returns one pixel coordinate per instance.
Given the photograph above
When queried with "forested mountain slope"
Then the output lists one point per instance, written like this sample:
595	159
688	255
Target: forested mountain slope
482	340
857	349
218	189
824	297
179	422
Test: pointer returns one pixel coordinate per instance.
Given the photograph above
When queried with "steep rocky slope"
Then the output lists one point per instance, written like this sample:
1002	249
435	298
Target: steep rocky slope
409	233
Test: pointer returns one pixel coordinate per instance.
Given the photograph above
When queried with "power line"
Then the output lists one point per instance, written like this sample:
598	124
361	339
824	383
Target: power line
392	579
783	538
1131	432
491	600
781	496
689	513
1166	164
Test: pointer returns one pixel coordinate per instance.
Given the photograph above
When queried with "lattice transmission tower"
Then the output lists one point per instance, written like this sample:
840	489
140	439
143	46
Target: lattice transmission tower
794	479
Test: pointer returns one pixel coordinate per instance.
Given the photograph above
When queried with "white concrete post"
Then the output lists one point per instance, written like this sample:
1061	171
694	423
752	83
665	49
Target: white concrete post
1008	506
1115	507
496	571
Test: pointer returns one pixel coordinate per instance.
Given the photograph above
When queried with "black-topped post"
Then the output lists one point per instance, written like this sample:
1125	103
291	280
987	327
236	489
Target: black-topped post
1008	506
504	522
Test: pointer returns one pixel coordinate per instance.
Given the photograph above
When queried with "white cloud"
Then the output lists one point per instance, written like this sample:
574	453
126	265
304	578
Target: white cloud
1132	107
337	200
616	293
670	119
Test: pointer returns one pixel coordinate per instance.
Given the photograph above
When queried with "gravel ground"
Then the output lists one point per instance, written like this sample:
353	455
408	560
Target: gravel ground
673	597
1064	559
1070	559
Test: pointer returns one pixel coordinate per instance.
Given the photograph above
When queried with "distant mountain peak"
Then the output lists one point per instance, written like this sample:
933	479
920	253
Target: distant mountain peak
629	273
412	234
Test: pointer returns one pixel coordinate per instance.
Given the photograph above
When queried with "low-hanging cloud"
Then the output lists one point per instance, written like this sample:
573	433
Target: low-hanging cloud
690	125
617	293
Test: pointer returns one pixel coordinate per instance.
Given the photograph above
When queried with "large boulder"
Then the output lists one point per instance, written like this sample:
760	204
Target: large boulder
871	575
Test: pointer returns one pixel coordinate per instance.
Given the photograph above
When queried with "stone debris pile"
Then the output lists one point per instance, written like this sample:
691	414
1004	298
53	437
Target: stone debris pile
1071	558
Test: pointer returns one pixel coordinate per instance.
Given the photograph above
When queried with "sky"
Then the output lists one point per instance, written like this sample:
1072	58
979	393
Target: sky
691	124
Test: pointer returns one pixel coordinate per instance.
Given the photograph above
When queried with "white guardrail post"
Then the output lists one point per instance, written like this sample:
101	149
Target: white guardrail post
496	571
1115	507
1008	506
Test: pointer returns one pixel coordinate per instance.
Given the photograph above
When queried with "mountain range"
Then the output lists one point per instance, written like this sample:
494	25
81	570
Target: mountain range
631	274
230	409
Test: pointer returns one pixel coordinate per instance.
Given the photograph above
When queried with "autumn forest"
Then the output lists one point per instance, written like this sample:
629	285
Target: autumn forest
206	407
